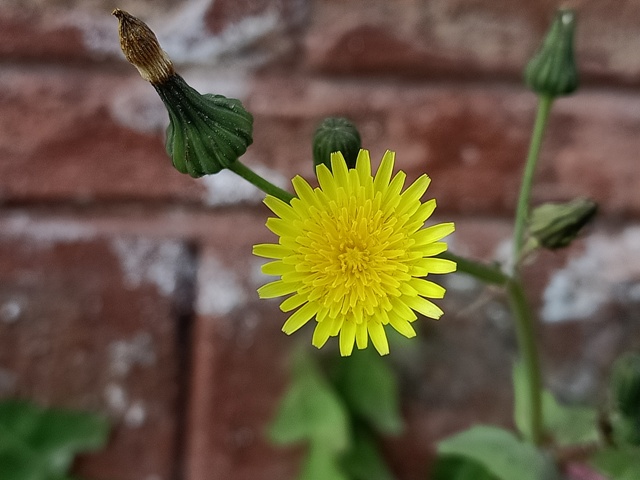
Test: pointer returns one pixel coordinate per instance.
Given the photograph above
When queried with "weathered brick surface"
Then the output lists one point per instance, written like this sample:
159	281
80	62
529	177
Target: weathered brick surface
472	141
91	324
61	139
240	361
465	39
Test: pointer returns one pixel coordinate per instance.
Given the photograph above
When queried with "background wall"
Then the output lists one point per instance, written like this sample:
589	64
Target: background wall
129	289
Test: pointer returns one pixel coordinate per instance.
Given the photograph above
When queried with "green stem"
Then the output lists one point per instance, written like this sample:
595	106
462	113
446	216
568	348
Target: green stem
524	320
522	212
264	185
483	272
528	350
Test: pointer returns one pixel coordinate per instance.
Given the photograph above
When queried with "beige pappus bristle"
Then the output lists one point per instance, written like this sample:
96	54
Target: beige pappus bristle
141	48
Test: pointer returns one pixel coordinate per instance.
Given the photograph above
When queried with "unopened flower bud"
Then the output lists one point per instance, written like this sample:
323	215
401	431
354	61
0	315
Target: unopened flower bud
206	133
625	386
552	71
556	225
336	135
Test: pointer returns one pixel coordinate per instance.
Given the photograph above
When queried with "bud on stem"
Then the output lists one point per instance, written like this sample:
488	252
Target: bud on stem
206	133
552	71
141	48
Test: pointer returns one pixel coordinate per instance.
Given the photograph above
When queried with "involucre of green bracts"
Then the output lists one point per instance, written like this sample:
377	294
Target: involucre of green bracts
336	134
556	225
552	71
206	133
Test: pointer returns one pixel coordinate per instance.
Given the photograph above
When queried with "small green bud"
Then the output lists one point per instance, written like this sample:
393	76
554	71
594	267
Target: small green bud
556	225
552	71
625	386
336	135
206	133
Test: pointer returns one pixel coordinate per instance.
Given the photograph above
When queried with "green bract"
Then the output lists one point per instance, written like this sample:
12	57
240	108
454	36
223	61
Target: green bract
556	225
207	132
336	135
552	71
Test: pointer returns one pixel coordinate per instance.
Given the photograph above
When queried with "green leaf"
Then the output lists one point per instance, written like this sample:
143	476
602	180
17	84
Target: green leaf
311	411
454	467
501	453
568	425
618	464
17	462
61	434
40	444
370	389
321	464
363	460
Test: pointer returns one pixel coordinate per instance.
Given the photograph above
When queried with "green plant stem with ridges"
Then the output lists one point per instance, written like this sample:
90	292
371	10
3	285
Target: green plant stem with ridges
524	322
522	212
264	185
481	271
528	349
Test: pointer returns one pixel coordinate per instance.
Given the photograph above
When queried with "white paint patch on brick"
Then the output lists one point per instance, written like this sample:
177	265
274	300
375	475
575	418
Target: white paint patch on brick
45	232
135	415
116	398
503	255
227	188
182	32
10	311
126	354
219	291
144	261
187	40
138	107
592	280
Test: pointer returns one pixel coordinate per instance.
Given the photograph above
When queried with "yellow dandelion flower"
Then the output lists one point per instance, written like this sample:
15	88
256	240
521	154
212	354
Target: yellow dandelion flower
352	254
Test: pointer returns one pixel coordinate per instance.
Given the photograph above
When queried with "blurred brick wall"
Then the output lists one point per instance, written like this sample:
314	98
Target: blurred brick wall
129	289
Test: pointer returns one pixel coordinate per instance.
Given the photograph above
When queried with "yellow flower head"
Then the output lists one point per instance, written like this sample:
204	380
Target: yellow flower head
352	253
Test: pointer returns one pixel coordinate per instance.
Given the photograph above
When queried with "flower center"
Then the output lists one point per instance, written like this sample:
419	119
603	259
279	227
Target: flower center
354	259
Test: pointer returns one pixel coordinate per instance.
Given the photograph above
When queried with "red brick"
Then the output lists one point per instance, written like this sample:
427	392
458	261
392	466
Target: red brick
224	13
30	35
79	329
471	140
240	362
466	39
60	140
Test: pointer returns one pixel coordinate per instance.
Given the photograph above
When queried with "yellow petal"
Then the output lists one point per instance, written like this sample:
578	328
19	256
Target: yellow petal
280	208
383	175
293	302
347	337
402	326
275	268
363	165
433	233
362	337
378	337
427	288
270	250
321	333
424	306
276	289
299	318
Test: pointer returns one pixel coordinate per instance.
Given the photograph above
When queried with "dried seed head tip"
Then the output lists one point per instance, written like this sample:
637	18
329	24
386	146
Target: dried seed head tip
141	48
